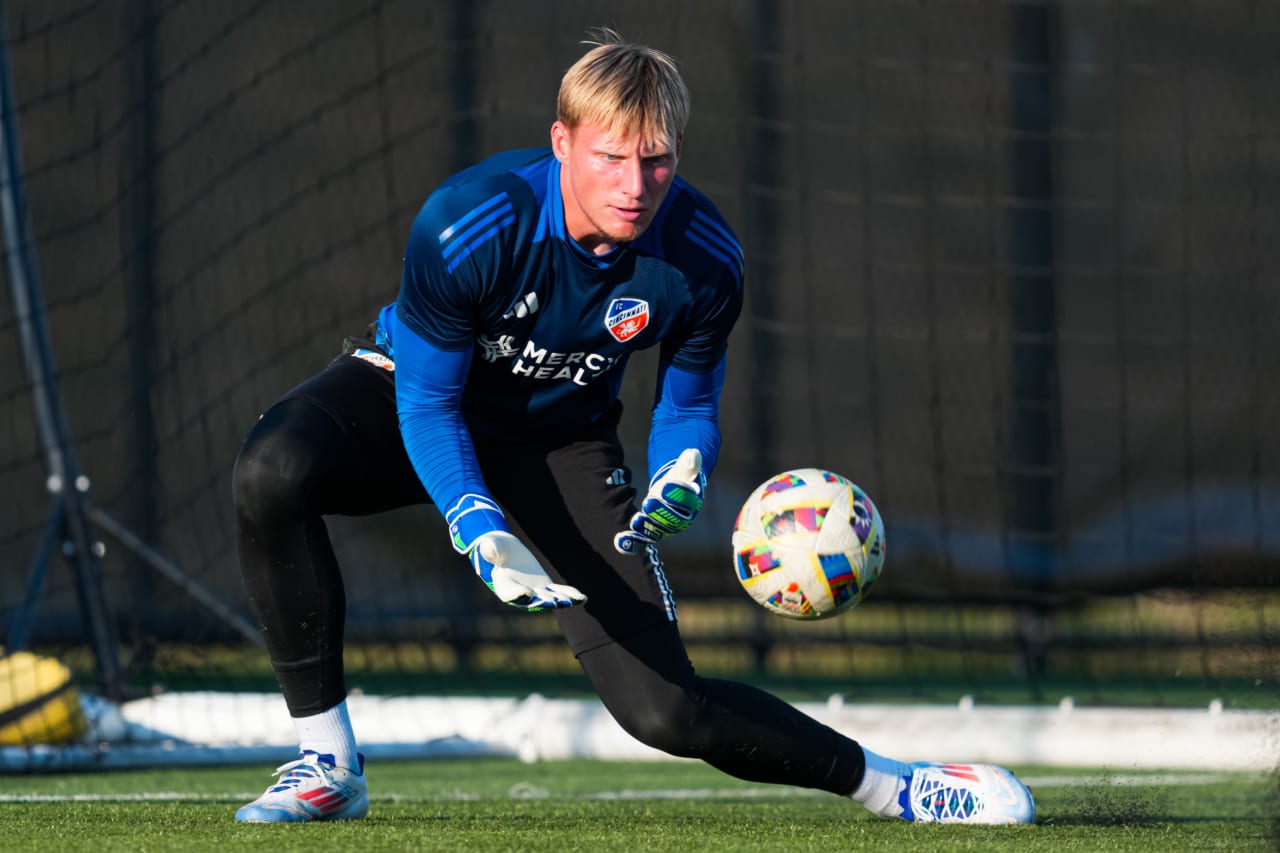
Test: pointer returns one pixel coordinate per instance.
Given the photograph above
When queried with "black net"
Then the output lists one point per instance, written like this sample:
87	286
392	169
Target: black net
1011	267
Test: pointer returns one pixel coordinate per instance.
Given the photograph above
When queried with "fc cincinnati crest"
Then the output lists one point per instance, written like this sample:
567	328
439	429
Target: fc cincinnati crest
626	318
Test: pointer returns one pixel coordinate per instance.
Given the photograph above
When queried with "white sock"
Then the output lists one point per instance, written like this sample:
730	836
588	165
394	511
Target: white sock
881	784
329	733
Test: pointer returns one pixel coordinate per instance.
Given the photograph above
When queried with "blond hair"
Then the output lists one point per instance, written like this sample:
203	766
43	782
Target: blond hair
626	89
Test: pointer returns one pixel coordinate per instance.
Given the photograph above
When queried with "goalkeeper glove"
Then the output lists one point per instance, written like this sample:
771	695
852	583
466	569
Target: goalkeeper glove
673	501
502	561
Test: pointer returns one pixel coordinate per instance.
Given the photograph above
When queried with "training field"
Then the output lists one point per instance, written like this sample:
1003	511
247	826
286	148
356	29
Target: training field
477	805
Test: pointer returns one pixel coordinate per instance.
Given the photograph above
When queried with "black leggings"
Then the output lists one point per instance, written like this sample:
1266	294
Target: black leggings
648	684
332	446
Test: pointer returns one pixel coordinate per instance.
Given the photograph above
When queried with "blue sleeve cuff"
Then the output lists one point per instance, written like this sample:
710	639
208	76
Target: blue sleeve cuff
472	517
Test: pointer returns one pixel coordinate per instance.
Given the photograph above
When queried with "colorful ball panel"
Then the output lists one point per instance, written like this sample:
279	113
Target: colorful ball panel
808	544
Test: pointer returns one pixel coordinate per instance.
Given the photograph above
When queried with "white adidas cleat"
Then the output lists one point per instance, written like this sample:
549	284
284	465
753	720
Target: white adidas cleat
311	788
965	793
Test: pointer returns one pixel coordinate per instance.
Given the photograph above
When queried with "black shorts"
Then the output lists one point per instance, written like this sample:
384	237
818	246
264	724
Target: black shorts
563	496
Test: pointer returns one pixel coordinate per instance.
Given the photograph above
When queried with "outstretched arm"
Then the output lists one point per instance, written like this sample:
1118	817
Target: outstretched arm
429	383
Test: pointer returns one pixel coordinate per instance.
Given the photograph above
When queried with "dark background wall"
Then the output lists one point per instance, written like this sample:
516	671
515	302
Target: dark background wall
1012	267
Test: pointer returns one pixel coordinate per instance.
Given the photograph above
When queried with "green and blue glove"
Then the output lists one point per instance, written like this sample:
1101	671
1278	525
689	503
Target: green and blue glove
502	561
673	501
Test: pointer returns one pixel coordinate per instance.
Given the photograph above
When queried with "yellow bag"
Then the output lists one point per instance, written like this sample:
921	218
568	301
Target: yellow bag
38	701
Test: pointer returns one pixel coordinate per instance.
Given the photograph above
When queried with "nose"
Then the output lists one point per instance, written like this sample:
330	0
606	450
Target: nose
632	180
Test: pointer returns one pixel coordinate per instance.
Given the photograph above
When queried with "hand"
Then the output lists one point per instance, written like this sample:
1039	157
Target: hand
506	566
511	571
673	501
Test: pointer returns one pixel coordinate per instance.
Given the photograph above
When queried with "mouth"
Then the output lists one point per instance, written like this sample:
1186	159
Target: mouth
630	214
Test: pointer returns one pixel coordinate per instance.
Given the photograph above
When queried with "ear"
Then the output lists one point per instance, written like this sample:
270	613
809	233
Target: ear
560	139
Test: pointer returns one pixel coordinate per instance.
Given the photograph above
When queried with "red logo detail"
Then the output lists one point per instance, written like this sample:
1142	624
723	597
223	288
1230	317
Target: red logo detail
962	771
325	799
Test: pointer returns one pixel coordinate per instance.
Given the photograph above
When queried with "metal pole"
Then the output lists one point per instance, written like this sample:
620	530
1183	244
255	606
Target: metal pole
170	570
138	251
21	623
65	481
1034	462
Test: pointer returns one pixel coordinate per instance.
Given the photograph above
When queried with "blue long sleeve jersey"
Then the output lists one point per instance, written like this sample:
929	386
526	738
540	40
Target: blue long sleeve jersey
505	327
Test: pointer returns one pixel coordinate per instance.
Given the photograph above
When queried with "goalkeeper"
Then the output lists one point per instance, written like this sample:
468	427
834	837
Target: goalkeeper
490	389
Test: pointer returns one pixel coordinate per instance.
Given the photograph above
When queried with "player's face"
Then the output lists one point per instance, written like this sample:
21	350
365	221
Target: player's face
612	184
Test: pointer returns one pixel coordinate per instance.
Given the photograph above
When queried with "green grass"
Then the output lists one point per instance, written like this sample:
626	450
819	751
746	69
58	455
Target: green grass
480	805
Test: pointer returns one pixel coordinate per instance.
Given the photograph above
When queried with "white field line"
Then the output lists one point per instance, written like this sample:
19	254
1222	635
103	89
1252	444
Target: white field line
527	791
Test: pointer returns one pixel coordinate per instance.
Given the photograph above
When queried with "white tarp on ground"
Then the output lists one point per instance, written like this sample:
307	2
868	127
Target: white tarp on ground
206	728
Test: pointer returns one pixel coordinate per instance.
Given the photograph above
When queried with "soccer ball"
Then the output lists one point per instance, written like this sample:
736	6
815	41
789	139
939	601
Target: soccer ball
808	544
